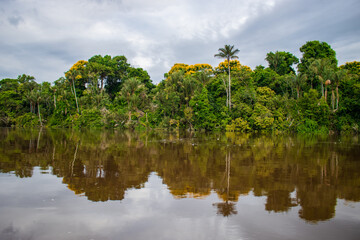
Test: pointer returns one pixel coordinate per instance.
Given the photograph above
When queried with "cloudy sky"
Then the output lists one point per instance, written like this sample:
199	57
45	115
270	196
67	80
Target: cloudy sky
45	38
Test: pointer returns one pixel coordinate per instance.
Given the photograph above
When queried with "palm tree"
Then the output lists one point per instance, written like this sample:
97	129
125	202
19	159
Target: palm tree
274	60
227	208
36	97
338	76
134	92
228	52
322	69
297	81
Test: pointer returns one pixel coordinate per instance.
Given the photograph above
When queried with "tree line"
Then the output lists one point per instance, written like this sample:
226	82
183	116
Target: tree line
311	94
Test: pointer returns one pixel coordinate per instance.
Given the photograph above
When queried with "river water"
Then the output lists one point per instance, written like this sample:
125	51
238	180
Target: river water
68	184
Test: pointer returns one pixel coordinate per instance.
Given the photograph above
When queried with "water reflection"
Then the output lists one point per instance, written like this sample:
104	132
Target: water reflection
227	207
309	173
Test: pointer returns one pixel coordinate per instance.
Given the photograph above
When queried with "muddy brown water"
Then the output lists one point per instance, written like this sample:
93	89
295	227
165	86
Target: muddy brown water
68	184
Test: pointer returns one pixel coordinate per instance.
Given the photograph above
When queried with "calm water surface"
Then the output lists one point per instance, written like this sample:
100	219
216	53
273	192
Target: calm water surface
67	184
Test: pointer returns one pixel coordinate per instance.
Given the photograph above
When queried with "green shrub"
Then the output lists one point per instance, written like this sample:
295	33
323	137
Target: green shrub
27	120
238	125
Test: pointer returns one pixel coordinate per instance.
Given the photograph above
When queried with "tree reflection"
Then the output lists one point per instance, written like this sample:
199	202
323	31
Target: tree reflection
226	208
290	171
279	201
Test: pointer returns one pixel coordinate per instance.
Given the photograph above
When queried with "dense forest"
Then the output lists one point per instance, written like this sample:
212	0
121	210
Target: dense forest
312	94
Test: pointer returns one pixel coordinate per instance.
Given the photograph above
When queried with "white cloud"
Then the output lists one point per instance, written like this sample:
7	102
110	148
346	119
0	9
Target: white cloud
156	34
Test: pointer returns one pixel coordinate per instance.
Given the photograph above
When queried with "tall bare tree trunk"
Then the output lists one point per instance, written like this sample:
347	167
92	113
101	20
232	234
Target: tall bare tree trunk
337	97
297	92
229	88
227	93
77	105
325	94
38	140
229	85
39	114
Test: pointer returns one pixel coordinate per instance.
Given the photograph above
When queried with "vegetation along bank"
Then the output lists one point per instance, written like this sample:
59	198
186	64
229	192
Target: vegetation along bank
107	92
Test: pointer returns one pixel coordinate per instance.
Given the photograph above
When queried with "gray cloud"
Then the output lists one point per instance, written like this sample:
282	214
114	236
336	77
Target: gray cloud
44	38
15	20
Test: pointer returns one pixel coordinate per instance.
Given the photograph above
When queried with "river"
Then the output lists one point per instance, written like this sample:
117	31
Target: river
106	184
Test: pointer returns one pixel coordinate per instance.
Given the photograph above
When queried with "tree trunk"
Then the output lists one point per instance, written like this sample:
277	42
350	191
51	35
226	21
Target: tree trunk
227	93
333	99
39	114
297	92
326	94
54	101
229	86
229	89
77	105
337	97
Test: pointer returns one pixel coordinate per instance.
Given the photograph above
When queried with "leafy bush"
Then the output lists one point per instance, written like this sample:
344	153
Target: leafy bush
311	126
27	120
238	125
89	118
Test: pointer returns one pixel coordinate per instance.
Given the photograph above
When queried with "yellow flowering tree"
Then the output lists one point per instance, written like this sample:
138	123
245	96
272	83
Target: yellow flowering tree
76	72
235	65
178	67
190	69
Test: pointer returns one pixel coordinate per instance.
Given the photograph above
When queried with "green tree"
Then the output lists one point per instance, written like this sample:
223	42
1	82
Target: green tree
297	80
101	65
228	52
119	74
204	117
323	69
352	67
281	62
339	76
11	101
134	92
313	50
142	75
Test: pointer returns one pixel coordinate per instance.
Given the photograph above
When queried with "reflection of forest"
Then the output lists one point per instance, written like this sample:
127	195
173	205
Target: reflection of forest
103	165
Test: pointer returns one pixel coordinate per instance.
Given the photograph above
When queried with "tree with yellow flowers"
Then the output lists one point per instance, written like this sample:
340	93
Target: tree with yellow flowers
75	74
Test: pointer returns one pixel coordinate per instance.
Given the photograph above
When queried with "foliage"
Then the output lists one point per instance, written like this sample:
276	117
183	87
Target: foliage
313	50
238	125
107	92
203	117
281	62
235	65
352	67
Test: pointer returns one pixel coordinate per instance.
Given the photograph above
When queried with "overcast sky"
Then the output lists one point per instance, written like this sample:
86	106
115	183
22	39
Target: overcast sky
45	38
